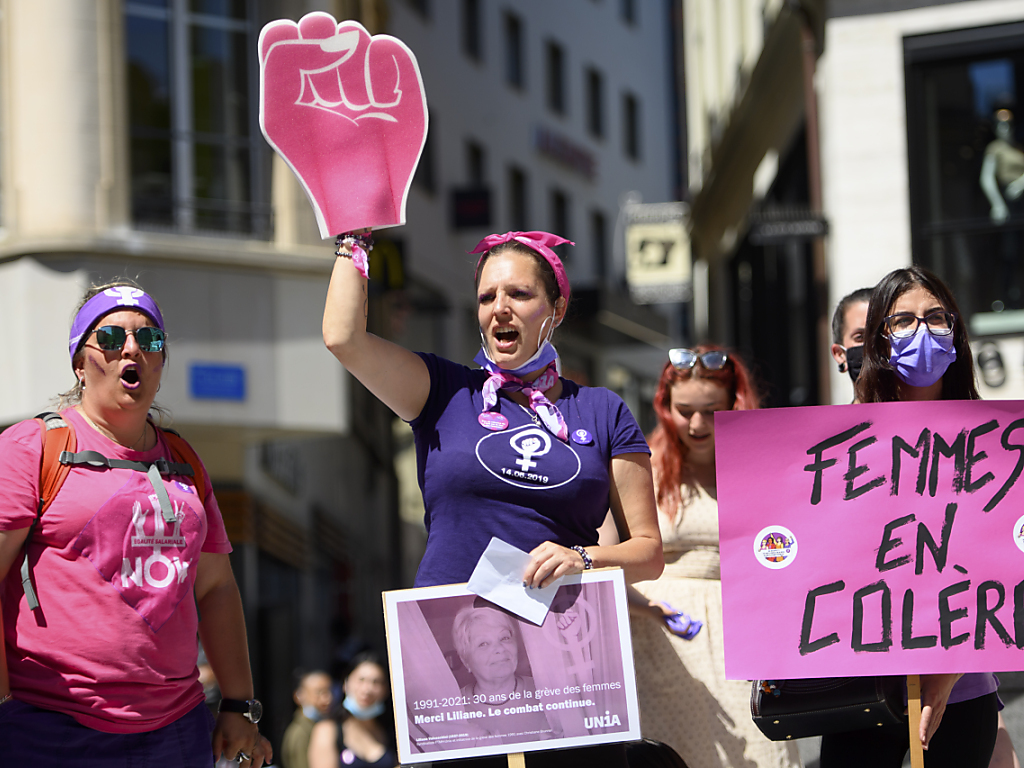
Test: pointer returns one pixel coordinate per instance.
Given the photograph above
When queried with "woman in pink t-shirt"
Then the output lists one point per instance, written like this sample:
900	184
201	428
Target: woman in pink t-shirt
100	628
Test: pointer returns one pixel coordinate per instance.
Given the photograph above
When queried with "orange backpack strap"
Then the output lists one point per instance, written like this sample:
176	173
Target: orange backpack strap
57	437
183	453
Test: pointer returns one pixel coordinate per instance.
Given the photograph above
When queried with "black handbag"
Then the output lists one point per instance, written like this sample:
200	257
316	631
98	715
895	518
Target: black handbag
794	709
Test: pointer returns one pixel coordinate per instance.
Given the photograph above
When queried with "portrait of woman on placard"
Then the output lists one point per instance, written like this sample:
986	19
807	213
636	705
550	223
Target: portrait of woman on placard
488	646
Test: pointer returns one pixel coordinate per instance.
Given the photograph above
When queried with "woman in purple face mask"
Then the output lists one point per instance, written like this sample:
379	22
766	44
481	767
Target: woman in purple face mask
916	348
916	345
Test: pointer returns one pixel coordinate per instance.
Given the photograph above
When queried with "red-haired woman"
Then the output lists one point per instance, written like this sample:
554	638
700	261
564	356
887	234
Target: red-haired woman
685	700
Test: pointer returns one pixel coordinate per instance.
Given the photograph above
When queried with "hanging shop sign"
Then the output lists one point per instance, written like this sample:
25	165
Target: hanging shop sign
658	262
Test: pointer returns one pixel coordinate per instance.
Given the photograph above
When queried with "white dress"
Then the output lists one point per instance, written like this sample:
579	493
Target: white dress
685	700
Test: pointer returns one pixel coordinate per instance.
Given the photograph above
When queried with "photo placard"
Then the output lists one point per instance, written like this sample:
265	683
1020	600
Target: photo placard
470	679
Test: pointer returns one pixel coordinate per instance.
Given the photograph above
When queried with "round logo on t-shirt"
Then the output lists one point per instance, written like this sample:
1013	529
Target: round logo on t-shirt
528	457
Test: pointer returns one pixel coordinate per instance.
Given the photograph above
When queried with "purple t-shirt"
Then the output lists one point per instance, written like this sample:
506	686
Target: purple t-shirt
521	484
972	686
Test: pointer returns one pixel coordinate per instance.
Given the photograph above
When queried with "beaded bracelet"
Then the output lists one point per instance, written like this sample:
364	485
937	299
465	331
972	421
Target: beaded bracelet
357	247
587	562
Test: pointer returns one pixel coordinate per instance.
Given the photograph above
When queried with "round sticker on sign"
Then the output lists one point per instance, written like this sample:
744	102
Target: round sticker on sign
775	547
1018	533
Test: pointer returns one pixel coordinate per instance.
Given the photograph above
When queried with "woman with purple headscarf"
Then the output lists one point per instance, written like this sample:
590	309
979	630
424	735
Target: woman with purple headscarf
511	449
102	590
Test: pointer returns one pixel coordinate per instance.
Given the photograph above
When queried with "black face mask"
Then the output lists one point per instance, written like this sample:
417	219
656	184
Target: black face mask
854	360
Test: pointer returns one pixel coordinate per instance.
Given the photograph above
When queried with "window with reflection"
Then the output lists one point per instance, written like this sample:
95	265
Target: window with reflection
198	163
472	29
599	239
556	77
965	107
514	70
631	126
517	199
595	102
560	224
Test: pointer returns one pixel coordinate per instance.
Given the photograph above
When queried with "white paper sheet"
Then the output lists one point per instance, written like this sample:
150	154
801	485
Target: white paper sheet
498	577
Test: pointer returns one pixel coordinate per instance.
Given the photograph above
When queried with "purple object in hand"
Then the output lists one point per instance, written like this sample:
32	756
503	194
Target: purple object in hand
680	624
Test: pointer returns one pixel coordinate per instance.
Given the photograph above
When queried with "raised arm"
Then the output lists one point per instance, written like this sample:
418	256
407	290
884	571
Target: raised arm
397	377
633	507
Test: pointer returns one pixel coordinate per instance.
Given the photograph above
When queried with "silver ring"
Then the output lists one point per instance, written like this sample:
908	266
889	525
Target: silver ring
241	756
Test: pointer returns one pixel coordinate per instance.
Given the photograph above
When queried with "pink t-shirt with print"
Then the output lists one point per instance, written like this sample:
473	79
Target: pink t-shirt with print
114	645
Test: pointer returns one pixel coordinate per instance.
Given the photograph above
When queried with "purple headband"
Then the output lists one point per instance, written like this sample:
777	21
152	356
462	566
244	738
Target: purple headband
540	242
118	297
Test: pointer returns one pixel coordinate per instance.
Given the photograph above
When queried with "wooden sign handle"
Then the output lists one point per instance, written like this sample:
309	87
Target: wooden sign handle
516	760
914	720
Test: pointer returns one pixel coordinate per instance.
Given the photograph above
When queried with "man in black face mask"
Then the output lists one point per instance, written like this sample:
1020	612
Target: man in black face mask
848	331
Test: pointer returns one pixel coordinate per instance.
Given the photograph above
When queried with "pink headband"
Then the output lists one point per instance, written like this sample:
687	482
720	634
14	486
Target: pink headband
540	242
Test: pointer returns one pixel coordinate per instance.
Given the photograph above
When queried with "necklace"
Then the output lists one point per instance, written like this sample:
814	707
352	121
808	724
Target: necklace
531	413
109	434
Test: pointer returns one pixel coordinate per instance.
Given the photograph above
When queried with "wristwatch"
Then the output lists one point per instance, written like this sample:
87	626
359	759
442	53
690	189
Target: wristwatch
250	709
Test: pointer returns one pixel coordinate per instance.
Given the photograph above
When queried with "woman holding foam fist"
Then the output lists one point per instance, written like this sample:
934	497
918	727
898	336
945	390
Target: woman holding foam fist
510	449
111	548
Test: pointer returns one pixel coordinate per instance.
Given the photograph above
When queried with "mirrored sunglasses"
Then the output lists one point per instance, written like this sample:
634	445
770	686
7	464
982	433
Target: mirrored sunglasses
683	359
112	338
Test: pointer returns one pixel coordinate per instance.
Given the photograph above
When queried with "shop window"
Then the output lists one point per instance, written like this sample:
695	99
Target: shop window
965	109
197	162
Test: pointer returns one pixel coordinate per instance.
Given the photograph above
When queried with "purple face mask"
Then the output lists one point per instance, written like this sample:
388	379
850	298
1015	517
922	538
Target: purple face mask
921	359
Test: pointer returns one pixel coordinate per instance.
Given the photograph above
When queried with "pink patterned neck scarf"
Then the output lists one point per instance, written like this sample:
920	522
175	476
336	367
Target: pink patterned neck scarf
534	390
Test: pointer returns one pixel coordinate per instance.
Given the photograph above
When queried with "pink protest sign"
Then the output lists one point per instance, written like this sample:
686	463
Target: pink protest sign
348	113
872	539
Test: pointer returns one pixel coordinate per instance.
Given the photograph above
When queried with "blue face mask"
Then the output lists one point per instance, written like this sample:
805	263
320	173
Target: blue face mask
540	360
313	713
543	357
363	714
921	360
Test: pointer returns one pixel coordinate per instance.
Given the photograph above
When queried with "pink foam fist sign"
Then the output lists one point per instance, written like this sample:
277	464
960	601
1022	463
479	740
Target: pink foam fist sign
875	539
348	113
